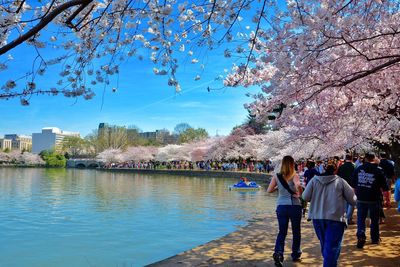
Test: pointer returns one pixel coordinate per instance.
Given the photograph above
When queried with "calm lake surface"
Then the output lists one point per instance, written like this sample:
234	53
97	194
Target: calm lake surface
68	217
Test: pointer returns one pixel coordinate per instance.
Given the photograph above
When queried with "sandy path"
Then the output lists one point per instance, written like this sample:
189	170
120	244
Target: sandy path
253	245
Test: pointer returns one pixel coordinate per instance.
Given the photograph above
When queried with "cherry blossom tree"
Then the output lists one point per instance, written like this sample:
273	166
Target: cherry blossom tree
255	147
238	145
198	154
90	39
200	148
111	155
21	158
31	159
140	153
173	153
228	148
15	156
334	66
216	150
4	157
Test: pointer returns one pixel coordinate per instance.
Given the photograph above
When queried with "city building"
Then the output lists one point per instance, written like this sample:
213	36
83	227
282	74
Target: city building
50	138
19	142
170	139
106	129
5	144
149	135
162	136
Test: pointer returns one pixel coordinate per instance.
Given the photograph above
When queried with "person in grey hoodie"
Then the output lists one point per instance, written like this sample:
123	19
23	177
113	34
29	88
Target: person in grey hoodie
328	195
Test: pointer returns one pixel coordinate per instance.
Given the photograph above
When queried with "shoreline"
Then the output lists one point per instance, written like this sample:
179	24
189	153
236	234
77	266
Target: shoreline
22	166
253	245
259	177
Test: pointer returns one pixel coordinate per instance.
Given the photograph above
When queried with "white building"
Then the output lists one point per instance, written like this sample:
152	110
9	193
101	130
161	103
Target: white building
49	138
5	144
20	142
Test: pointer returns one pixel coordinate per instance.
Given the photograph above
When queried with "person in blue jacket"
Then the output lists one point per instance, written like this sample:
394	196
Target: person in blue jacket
397	193
310	172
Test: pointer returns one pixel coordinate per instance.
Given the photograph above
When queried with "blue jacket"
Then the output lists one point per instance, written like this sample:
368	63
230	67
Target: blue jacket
397	193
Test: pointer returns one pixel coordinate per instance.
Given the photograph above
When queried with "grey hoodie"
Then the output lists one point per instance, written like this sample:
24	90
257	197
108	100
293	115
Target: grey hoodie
328	196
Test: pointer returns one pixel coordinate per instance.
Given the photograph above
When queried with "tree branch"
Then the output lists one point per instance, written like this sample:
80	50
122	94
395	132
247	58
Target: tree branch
43	23
20	7
343	7
360	75
76	12
253	43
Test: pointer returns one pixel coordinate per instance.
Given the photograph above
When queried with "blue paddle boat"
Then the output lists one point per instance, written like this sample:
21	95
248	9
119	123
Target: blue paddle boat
245	184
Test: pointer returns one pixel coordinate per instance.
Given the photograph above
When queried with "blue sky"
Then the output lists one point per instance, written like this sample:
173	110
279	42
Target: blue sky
142	99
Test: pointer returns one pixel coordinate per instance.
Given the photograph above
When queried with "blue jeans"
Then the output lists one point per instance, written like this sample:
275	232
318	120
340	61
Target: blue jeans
284	214
330	235
349	212
362	212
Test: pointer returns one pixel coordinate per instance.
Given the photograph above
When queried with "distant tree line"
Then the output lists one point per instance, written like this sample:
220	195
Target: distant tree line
121	137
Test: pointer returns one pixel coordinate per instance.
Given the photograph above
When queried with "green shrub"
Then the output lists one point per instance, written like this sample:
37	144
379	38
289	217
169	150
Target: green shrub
53	159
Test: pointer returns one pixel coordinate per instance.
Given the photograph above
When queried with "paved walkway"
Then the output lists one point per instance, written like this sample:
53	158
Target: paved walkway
253	245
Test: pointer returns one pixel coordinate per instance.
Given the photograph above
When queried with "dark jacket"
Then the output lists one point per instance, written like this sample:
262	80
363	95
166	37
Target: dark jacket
346	171
368	180
387	167
309	174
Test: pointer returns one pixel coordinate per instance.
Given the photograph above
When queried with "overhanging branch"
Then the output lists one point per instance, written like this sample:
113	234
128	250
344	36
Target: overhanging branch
43	23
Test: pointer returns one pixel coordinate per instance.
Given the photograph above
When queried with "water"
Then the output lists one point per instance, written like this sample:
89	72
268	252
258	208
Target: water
58	217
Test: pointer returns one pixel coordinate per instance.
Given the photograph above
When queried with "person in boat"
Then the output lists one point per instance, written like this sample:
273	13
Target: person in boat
244	181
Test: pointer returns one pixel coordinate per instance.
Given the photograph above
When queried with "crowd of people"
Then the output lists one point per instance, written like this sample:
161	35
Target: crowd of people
210	165
333	188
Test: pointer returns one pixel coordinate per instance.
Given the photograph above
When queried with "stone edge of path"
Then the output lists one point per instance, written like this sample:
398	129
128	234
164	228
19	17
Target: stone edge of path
186	258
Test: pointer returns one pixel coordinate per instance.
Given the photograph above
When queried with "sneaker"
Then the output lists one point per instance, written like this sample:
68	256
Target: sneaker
360	242
296	260
278	259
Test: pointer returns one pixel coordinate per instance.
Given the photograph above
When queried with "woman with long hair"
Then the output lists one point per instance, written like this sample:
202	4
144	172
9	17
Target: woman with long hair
289	207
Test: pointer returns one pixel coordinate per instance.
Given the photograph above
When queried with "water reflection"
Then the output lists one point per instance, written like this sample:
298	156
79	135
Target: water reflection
59	217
